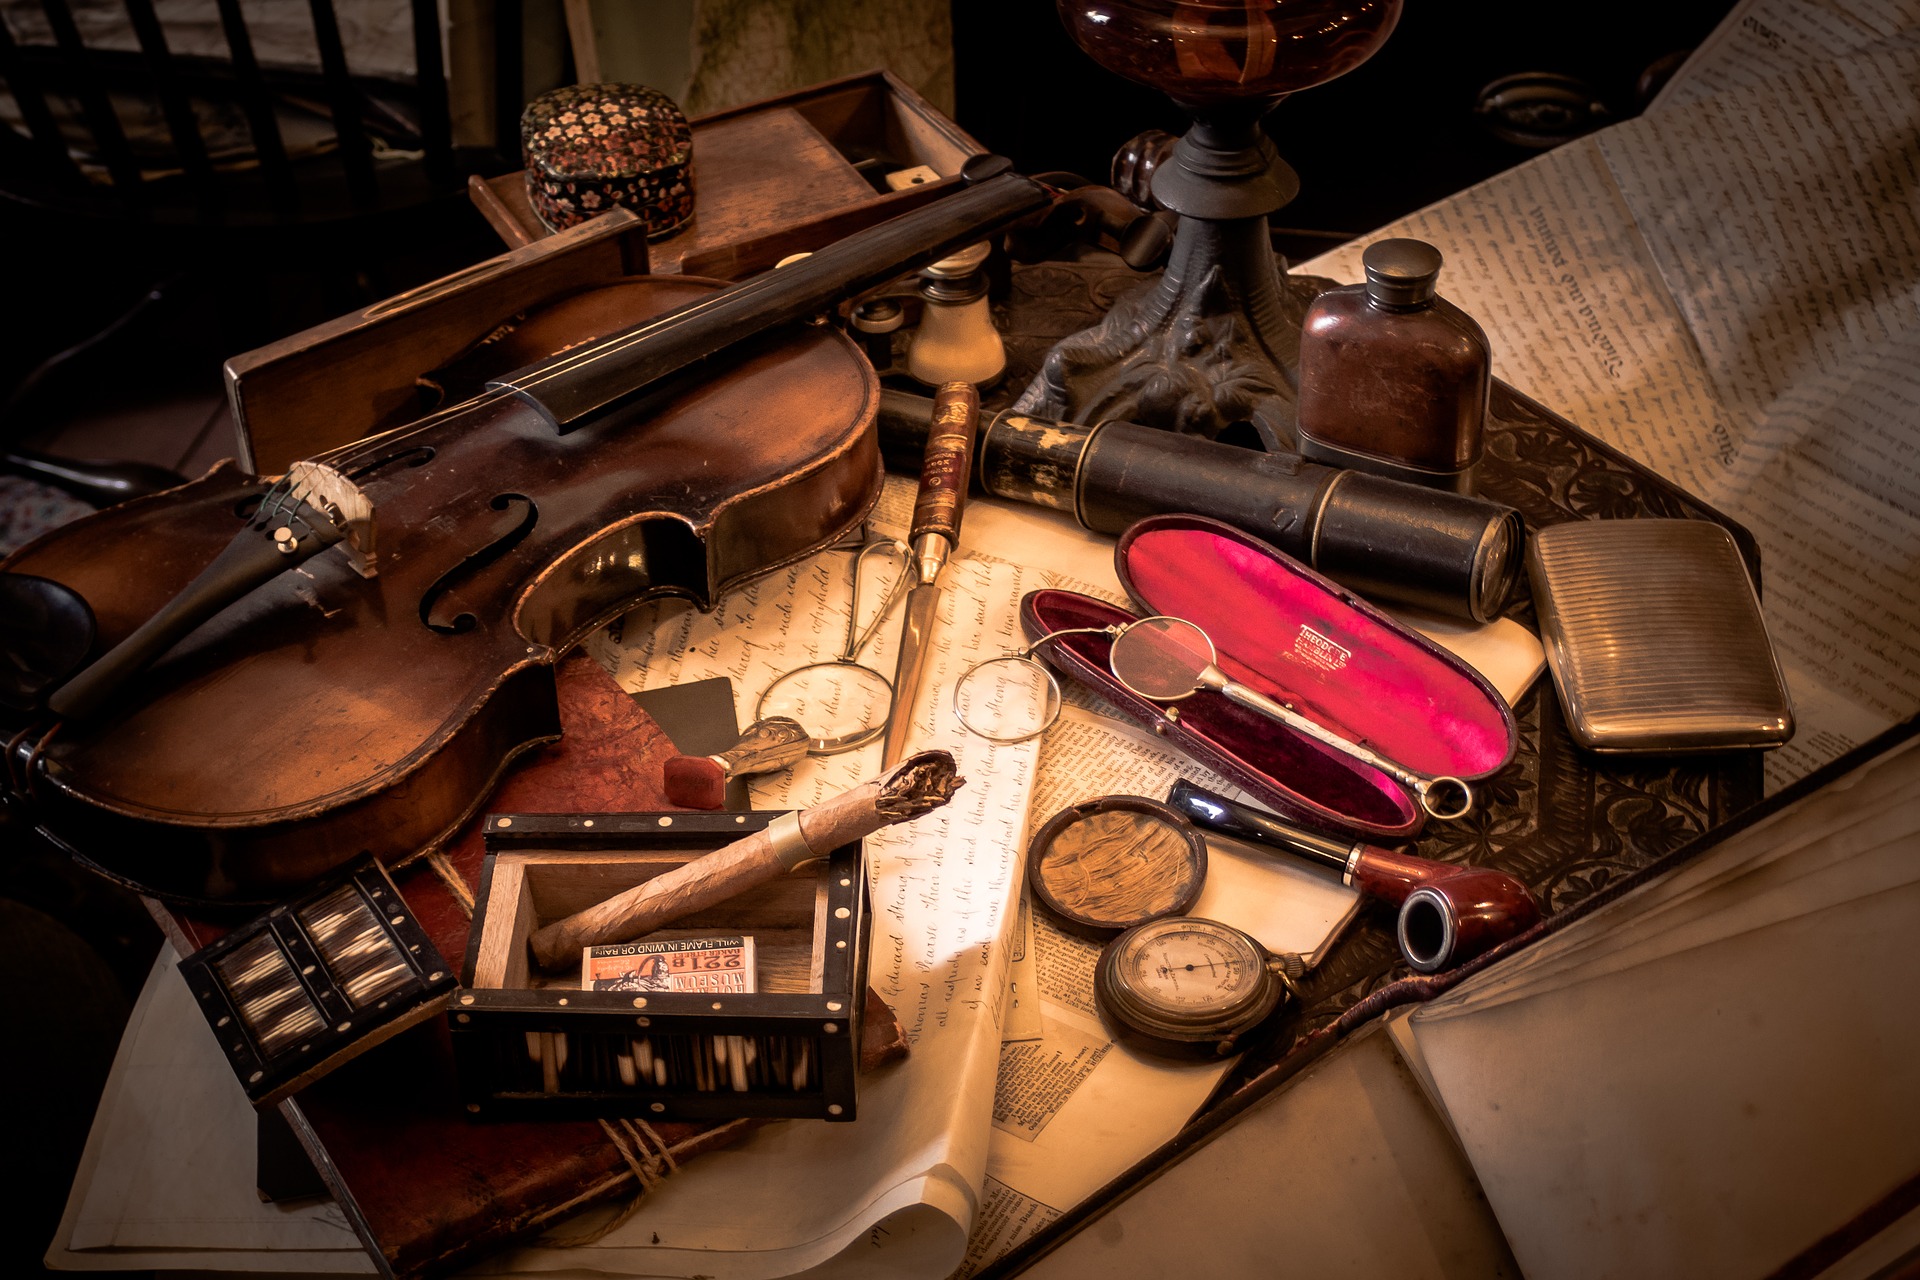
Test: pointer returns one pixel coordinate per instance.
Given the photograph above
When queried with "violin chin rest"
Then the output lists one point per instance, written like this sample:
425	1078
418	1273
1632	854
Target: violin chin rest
46	635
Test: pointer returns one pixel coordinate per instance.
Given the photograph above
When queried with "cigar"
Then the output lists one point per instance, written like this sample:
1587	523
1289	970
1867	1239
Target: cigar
700	782
916	786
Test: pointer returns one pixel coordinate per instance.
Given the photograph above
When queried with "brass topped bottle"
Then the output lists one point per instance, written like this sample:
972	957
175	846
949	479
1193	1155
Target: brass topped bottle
1393	378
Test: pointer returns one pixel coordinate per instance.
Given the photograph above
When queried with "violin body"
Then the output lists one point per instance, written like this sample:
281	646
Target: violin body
326	713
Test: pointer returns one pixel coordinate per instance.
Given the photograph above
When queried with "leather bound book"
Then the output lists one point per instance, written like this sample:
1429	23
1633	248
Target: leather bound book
427	1189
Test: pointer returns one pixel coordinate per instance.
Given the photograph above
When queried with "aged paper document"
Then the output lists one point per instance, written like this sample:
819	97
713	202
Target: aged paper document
944	890
1761	38
1074	1110
1728	289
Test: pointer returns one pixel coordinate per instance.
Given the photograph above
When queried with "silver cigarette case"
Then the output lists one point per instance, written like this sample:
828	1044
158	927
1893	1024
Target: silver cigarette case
1654	635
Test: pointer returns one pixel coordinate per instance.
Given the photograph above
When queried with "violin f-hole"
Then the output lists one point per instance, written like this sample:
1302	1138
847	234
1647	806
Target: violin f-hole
441	609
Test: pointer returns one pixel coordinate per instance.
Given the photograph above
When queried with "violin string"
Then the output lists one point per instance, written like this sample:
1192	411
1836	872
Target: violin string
613	345
616	343
367	448
818	261
588	353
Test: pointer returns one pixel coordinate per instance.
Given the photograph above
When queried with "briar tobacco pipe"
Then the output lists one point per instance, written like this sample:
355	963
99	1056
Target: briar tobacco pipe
1448	914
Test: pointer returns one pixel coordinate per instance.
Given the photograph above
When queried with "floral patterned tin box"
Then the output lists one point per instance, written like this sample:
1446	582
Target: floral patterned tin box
589	147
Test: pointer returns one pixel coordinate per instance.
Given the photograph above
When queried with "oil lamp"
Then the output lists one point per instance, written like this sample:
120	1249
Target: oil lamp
1213	343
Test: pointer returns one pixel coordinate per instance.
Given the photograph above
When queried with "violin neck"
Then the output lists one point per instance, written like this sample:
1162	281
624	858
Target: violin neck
572	387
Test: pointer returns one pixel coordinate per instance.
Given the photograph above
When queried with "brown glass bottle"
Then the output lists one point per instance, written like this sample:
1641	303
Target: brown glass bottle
1393	379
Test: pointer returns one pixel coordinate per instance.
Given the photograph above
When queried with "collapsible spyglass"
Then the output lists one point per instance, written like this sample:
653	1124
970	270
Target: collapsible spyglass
1161	659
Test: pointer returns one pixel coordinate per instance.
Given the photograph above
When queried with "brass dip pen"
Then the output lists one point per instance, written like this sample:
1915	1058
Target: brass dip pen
935	534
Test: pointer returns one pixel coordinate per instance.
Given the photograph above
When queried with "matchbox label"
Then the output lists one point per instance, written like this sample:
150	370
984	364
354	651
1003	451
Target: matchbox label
1316	650
718	966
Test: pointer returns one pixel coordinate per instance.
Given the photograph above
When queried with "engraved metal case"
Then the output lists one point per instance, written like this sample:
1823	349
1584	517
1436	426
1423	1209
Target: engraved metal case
1654	635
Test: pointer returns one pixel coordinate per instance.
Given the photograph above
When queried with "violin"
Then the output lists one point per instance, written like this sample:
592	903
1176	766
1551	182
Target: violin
287	673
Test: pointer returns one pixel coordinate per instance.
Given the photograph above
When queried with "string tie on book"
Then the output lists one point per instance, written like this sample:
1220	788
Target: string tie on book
630	1139
660	1143
455	882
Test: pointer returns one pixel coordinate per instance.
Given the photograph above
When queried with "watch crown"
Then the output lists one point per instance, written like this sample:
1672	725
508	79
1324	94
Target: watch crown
1290	966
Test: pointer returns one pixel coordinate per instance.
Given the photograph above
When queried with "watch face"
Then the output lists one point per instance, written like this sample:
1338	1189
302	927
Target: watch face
1191	967
1182	985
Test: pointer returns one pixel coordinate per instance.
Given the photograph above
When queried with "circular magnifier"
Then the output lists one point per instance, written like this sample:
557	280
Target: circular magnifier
1106	864
842	704
1007	699
1161	658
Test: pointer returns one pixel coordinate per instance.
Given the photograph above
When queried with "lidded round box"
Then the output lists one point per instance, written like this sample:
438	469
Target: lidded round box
589	147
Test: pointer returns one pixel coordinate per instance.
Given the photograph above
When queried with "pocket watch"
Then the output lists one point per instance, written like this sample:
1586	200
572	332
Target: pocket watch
1182	986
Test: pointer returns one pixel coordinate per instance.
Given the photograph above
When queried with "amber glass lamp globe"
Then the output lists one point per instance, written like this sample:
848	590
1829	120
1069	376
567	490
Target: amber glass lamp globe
1211	53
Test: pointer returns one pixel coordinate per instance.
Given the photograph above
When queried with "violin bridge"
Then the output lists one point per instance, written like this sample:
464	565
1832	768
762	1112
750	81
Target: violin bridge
346	505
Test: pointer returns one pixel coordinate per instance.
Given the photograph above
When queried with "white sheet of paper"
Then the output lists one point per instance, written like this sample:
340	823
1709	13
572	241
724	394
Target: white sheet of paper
166	1179
1642	1124
1785	847
1632	1114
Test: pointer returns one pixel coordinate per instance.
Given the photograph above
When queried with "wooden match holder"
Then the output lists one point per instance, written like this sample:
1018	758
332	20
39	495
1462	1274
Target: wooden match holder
306	971
534	1045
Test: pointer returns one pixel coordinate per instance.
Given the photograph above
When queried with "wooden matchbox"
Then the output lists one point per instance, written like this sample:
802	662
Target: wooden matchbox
530	1044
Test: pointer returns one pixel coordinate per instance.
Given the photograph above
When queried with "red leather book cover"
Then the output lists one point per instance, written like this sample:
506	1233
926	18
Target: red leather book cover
428	1189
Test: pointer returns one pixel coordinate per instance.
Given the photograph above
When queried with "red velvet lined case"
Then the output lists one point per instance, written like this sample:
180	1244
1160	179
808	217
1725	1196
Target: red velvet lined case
1293	635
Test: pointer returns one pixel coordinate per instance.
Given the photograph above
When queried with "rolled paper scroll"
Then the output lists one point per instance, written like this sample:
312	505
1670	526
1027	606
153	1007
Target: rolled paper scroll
917	785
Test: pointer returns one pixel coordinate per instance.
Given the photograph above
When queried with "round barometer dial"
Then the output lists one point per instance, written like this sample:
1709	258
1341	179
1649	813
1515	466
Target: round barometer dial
1185	986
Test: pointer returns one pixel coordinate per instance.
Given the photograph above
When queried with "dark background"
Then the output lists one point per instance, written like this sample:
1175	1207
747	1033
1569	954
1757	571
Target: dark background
1396	134
1393	136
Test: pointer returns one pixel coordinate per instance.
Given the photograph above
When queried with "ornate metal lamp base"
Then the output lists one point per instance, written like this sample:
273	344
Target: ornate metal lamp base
1215	342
